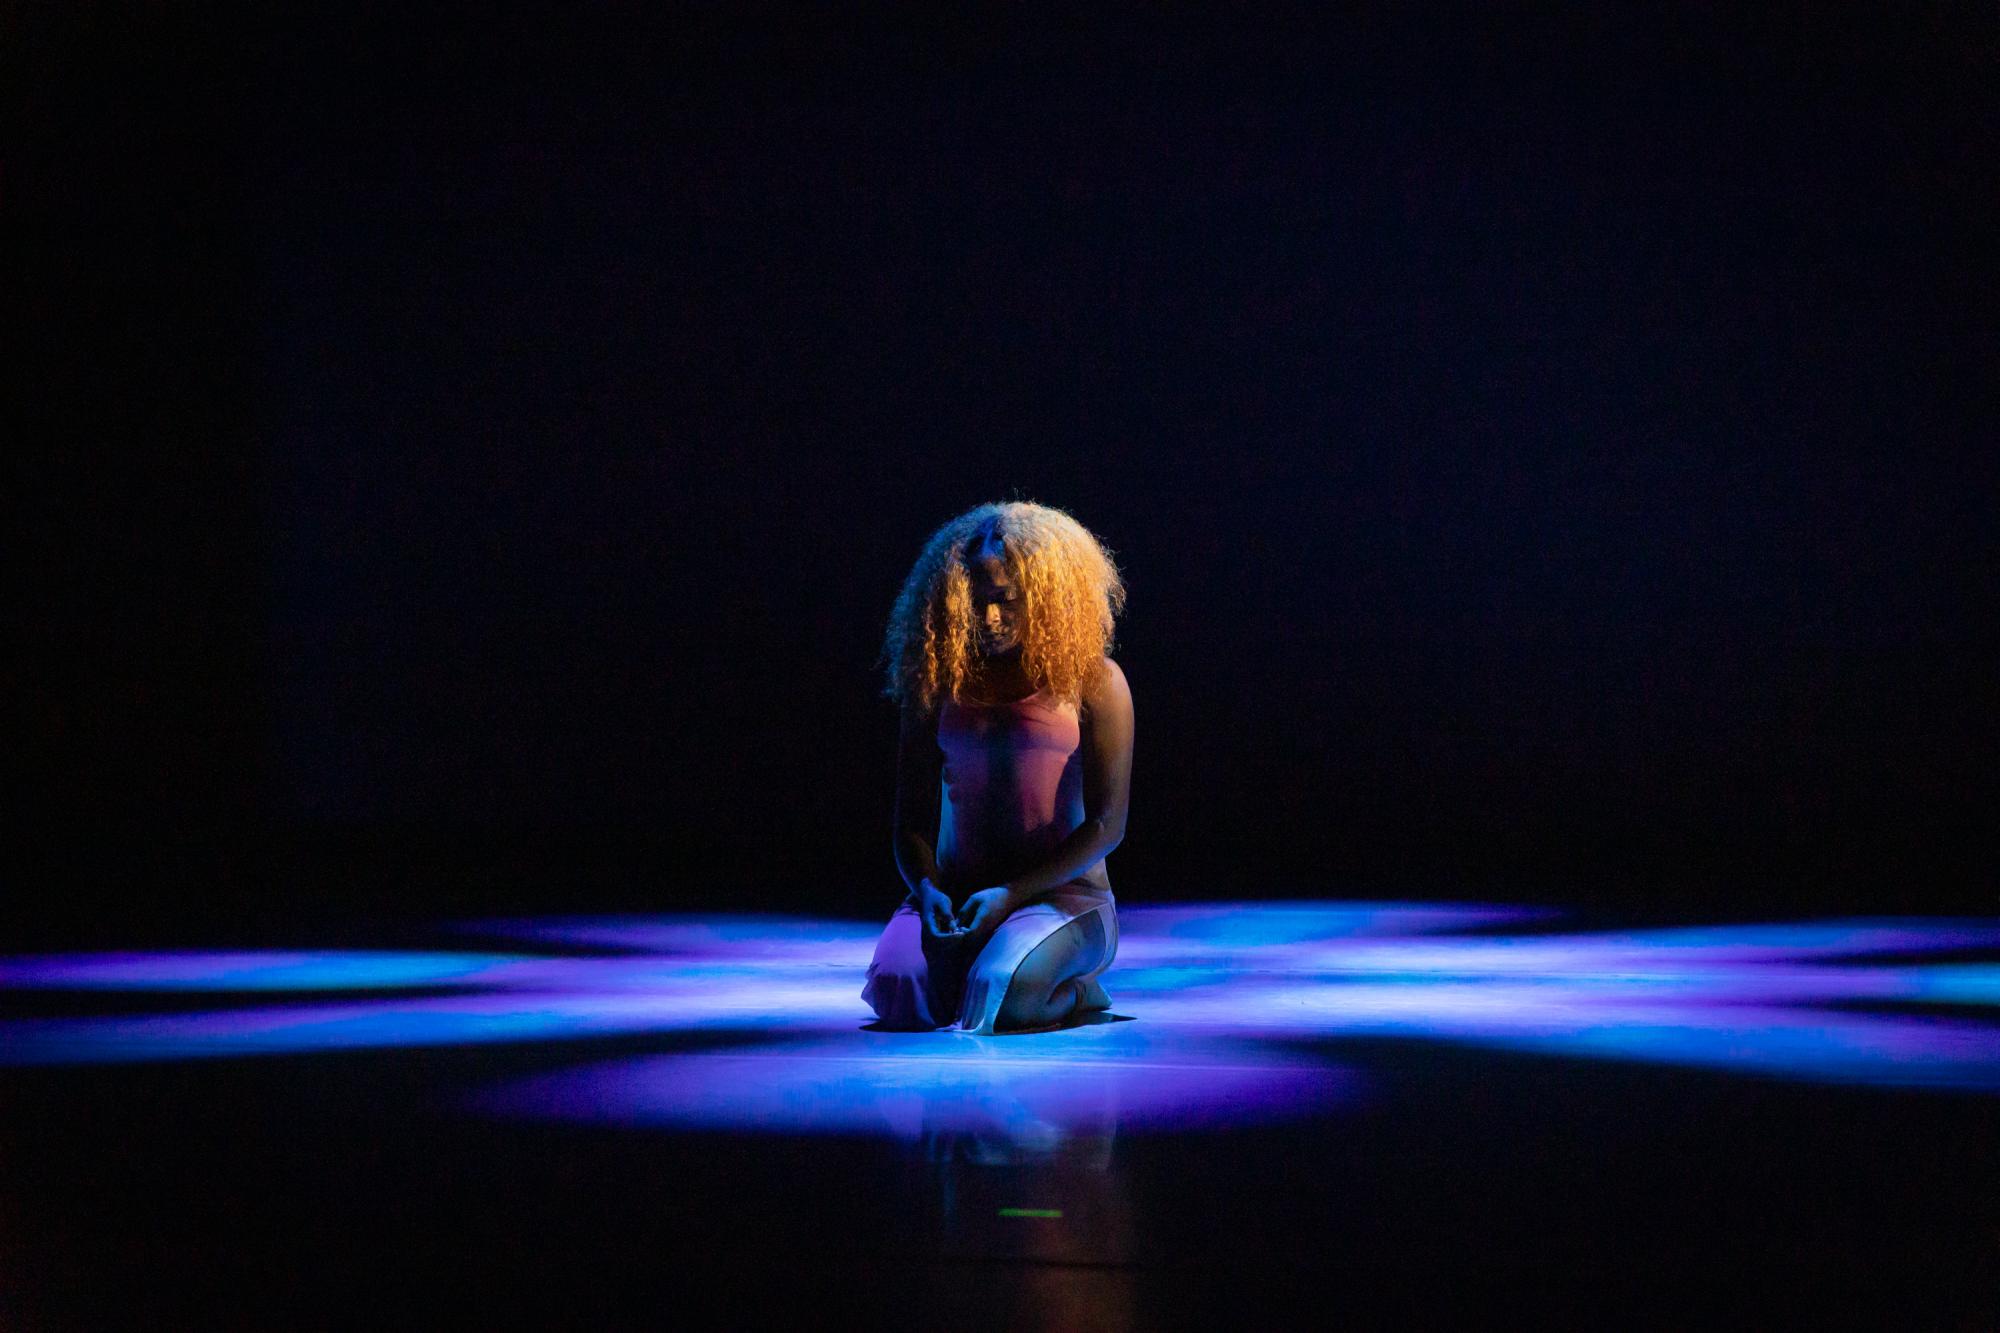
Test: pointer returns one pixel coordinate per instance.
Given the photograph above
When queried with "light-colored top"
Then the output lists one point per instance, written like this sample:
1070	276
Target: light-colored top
1013	790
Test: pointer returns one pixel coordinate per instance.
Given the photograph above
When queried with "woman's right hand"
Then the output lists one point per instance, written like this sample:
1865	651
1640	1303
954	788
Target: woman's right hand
934	907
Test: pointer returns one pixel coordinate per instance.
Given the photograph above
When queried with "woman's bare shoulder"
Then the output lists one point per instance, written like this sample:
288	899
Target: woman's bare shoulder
1107	688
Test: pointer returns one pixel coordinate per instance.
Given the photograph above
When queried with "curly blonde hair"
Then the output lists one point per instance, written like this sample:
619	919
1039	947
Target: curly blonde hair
1071	594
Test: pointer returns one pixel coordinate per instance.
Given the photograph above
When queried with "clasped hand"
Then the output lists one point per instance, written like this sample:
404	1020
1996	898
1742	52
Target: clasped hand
974	921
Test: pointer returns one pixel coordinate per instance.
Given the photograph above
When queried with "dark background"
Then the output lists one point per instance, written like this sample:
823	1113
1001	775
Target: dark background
471	460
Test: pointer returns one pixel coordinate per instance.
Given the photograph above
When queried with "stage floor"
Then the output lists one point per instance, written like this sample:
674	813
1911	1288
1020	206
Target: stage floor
1295	1113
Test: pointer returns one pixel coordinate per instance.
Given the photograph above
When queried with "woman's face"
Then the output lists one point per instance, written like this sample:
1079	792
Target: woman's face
996	601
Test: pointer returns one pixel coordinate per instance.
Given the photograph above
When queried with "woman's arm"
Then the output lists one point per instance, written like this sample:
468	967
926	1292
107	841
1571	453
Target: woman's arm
919	770
1107	789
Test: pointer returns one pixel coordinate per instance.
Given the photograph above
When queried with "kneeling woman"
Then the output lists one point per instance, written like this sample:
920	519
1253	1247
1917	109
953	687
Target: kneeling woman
1013	778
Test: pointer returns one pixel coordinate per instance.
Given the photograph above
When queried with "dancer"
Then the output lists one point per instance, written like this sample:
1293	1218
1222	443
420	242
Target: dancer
1013	776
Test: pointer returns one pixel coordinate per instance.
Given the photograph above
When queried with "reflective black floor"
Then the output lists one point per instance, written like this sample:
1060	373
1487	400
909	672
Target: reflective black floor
1299	1115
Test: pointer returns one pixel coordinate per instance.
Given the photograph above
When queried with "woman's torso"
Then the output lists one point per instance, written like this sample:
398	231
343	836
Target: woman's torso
1012	790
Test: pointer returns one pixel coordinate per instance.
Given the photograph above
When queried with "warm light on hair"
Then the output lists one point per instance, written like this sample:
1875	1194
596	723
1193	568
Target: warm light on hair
1070	591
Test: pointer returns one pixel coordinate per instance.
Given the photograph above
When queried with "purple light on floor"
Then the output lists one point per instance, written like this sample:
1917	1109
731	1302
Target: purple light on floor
247	970
1243	1011
994	1089
743	936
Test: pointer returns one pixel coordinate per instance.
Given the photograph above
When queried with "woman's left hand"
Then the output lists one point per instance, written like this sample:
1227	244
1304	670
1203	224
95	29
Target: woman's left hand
983	912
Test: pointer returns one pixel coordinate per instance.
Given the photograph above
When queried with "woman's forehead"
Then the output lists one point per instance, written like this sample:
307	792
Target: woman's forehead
985	558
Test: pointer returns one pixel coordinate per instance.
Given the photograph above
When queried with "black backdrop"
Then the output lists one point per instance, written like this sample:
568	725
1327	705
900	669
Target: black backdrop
474	458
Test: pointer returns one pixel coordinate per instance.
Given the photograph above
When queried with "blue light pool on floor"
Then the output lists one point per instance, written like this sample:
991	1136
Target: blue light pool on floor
1244	1012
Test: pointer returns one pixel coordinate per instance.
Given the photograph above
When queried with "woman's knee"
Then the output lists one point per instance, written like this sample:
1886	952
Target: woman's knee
900	946
1044	989
900	991
898	965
